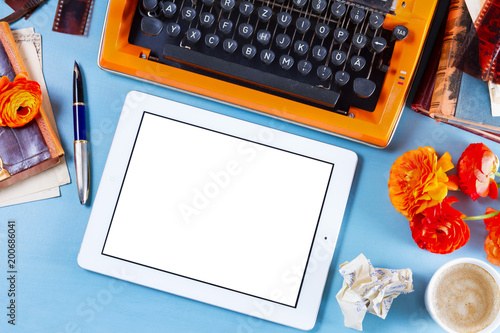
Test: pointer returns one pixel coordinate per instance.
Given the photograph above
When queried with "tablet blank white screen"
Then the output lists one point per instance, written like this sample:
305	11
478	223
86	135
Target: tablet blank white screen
218	209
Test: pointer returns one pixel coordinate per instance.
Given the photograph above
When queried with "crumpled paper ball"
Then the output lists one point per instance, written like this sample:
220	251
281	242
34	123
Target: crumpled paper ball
369	289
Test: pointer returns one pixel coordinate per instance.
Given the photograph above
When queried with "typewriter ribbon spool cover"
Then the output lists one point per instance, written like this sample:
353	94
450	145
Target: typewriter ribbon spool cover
404	30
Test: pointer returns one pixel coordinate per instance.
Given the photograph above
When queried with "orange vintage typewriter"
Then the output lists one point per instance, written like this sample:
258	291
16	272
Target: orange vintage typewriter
342	67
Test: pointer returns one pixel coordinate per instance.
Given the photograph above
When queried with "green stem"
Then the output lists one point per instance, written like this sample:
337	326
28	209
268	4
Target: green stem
497	174
481	217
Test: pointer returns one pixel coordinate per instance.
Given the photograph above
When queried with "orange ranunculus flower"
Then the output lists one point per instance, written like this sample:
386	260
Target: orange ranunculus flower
440	229
20	101
476	171
418	180
492	242
492	223
492	247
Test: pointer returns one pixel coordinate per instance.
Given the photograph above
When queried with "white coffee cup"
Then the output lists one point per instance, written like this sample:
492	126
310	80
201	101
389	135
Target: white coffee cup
444	276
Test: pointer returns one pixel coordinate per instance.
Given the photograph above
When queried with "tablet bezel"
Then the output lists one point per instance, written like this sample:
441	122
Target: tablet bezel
304	315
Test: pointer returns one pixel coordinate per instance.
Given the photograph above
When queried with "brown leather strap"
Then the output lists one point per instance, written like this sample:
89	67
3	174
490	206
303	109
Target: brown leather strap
16	4
26	8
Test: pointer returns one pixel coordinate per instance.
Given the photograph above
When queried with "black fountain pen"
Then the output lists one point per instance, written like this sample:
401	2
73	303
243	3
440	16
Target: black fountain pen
80	131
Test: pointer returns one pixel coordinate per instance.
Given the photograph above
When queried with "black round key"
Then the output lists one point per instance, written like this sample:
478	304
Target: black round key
188	14
246	8
267	56
149	5
319	52
211	40
229	45
263	36
342	77
378	44
227	5
151	26
338	57
357	15
283	41
357	63
340	35
318	6
400	32
264	13
376	20
245	30
300	47
173	29
322	30
193	35
359	40
324	72
284	19
304	67
207	19
302	24
225	26
363	87
338	9
286	62
208	2
299	3
168	8
249	51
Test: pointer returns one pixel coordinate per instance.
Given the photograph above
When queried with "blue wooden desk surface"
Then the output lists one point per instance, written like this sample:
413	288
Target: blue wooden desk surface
56	295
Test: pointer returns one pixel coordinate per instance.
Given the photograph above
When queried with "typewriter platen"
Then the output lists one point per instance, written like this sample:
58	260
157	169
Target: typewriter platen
343	67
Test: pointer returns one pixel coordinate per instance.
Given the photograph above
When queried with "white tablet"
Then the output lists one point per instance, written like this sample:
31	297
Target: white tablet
218	210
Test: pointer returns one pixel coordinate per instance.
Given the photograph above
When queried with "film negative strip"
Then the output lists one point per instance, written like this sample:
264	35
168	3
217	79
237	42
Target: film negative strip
73	16
480	53
488	30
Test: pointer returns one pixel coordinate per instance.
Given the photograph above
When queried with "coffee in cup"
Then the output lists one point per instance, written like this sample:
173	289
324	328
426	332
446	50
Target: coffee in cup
464	296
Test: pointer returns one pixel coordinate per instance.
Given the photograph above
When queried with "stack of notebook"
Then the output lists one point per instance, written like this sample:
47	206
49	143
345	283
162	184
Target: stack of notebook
445	92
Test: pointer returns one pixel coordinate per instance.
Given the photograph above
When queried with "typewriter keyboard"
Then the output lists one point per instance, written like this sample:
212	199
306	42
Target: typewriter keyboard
332	54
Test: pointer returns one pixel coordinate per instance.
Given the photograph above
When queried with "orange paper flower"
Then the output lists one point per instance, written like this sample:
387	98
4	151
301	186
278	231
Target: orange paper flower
476	171
20	101
418	180
440	229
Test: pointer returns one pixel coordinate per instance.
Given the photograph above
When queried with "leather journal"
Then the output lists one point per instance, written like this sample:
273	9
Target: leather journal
34	147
